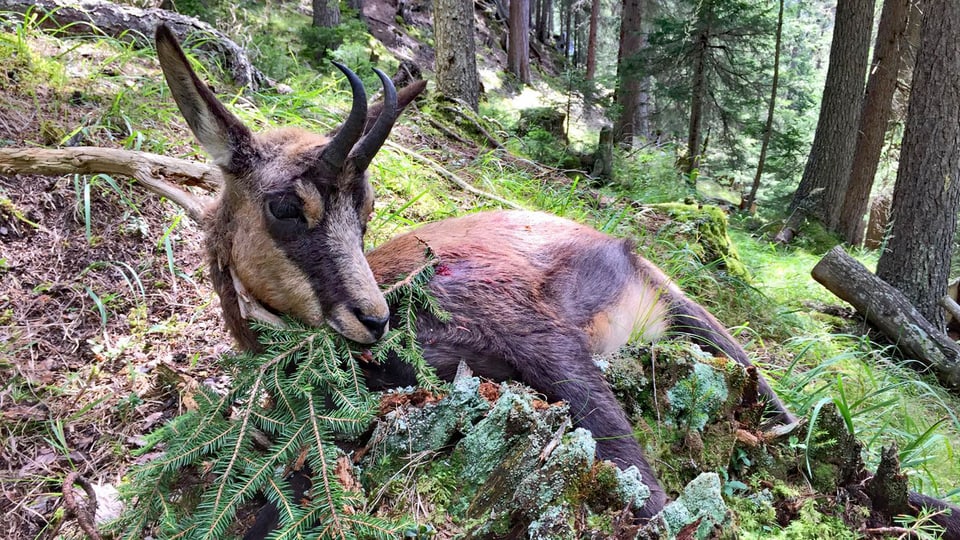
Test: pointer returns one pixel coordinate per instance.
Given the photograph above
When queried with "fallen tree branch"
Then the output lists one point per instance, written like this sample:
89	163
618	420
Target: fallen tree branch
84	513
147	169
889	310
951	306
130	24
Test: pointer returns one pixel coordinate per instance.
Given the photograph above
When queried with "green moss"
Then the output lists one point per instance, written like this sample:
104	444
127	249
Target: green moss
697	398
708	226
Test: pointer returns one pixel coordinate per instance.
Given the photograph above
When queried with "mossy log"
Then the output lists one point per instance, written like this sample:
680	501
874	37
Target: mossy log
889	310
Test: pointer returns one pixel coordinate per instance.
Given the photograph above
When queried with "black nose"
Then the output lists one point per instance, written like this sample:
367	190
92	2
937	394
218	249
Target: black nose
375	324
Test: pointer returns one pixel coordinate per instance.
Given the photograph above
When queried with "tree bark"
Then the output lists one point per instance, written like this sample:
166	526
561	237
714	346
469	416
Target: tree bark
326	13
130	24
825	176
698	92
877	104
926	197
518	49
892	313
592	40
748	203
456	59
629	87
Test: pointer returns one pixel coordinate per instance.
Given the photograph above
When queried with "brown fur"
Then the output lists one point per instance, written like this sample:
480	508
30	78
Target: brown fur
532	296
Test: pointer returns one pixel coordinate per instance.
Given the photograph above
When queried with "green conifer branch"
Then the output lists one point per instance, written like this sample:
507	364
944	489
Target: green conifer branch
284	393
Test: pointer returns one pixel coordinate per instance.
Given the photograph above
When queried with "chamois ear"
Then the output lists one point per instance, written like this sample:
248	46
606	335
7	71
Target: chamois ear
221	133
380	120
405	96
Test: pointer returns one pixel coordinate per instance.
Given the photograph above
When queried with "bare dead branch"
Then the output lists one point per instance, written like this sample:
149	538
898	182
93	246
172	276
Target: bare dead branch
85	513
147	169
250	308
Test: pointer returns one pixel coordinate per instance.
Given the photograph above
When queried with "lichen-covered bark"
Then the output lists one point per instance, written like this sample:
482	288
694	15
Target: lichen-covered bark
887	309
131	24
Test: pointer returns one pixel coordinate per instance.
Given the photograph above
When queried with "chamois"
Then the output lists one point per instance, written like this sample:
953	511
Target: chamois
532	296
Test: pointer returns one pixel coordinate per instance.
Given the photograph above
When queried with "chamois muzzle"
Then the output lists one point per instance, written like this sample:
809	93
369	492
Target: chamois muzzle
376	324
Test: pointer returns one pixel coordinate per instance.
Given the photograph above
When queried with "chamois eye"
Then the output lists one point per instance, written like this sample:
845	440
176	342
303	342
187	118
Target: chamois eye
286	208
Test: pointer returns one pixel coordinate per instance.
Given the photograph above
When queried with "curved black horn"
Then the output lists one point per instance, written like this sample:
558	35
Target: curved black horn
338	149
368	146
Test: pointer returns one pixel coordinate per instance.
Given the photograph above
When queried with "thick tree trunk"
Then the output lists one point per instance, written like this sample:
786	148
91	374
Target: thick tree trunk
629	87
824	181
456	59
538	20
926	197
877	105
890	311
518	49
748	203
592	40
326	13
96	17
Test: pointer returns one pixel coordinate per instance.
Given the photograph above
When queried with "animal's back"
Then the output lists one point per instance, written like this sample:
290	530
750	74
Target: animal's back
509	266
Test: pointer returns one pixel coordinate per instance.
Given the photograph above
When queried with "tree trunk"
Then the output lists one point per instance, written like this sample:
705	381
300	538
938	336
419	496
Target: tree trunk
130	24
577	35
518	49
567	24
538	20
824	181
927	193
326	13
629	87
592	40
892	313
603	158
698	91
748	203
874	117
456	59
877	224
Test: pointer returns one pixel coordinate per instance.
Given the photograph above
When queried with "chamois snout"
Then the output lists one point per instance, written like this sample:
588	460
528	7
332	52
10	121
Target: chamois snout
364	324
377	325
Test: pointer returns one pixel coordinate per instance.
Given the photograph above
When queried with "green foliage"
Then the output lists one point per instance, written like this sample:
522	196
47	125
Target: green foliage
737	53
319	43
544	147
305	388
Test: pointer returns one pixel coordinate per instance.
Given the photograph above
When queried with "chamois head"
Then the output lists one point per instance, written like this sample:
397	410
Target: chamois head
294	206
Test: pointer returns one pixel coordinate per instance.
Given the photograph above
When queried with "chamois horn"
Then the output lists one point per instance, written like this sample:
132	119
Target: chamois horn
338	148
368	146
